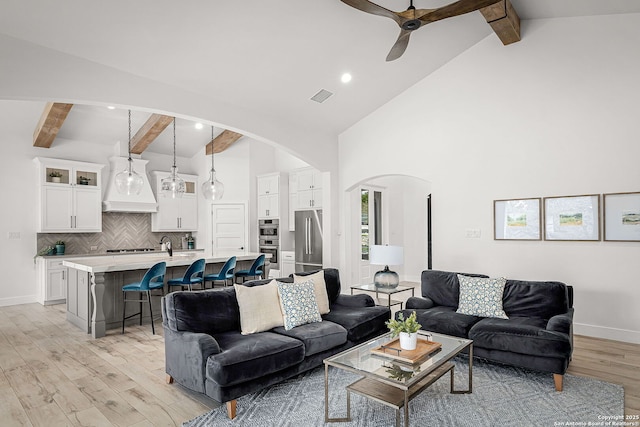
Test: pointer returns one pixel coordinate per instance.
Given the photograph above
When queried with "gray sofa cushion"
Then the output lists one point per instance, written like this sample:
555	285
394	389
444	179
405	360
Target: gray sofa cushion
246	357
210	312
358	323
317	336
524	335
444	320
525	298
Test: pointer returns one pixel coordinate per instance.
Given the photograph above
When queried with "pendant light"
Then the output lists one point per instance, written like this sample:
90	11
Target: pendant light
212	189
129	182
173	186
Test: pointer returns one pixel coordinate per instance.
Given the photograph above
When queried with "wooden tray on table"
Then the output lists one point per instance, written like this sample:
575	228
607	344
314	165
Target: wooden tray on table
392	350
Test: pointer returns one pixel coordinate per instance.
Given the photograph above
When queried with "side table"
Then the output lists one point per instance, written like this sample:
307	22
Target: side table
388	302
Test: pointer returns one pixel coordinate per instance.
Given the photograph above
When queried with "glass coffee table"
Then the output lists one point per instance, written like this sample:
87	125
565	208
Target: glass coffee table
390	381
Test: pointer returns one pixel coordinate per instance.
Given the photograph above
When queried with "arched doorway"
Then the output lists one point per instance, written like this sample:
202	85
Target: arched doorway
393	210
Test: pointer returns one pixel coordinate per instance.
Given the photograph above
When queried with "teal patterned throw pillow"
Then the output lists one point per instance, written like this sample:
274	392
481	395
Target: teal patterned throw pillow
481	297
298	304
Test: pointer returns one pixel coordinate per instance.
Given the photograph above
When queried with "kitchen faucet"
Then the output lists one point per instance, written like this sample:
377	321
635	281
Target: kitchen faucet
167	245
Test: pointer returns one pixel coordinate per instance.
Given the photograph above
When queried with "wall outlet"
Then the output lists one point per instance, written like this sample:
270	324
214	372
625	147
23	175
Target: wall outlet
473	233
94	248
13	235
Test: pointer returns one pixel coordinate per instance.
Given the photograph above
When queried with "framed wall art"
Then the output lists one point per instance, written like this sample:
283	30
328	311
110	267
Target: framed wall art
517	219
572	217
621	217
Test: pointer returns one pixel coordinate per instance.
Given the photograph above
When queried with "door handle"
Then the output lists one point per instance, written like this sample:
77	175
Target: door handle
242	248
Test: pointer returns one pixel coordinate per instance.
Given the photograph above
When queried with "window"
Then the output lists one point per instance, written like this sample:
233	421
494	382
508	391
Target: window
370	220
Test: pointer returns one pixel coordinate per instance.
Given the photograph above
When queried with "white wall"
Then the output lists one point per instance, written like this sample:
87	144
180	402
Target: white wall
552	115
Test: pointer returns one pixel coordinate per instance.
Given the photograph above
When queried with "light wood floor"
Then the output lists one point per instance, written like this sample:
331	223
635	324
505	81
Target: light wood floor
51	374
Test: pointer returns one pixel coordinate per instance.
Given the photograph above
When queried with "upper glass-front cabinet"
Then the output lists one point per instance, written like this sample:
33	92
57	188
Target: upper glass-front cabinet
78	176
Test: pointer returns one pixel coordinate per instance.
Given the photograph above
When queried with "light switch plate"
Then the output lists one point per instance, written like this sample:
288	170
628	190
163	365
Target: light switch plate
13	235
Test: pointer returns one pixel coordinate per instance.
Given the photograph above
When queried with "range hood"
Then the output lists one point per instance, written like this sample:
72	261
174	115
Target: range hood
116	202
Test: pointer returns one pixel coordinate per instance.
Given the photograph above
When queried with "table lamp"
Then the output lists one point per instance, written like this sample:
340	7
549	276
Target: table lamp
385	255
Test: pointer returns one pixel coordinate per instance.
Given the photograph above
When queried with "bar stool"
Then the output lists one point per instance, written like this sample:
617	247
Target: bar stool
195	269
253	271
153	279
225	273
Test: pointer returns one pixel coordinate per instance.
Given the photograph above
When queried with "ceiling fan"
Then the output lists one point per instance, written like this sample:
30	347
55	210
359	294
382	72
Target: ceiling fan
412	19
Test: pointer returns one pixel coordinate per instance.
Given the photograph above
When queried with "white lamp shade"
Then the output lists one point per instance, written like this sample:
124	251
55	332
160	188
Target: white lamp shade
386	255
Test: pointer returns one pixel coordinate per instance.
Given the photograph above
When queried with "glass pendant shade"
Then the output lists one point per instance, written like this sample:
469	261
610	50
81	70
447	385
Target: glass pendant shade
173	186
212	189
129	182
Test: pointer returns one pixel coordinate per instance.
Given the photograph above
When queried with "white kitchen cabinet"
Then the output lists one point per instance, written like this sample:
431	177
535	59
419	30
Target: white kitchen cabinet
179	214
269	184
272	192
269	206
306	183
72	201
52	281
287	263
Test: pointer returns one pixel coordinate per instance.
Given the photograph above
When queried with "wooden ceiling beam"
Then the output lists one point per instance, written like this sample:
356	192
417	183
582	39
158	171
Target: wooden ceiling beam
149	132
223	141
504	20
50	122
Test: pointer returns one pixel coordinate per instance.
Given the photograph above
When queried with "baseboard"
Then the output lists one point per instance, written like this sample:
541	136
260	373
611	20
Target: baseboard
28	299
411	279
615	334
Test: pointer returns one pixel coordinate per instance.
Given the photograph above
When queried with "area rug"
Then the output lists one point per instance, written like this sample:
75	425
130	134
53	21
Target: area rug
502	396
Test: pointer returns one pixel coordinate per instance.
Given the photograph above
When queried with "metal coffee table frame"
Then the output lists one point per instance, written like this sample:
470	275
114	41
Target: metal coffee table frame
394	393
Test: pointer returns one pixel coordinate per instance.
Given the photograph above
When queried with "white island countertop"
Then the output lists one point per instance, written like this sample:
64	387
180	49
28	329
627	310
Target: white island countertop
111	263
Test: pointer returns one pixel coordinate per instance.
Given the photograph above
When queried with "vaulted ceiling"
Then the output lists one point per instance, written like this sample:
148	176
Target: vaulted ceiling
270	56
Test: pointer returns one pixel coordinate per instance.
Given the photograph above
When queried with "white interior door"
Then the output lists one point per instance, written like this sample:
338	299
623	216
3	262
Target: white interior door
230	230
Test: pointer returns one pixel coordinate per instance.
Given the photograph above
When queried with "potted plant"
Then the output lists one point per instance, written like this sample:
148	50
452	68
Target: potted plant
83	180
59	247
46	250
407	329
55	176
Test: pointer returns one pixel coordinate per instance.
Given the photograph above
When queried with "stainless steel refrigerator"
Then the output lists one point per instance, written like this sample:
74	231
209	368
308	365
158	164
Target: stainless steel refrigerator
308	240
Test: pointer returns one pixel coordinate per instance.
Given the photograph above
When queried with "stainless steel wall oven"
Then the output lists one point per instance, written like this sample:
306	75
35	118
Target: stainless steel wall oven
268	230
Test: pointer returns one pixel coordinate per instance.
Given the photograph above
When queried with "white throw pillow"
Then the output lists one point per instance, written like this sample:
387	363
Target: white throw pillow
298	304
319	288
259	307
481	296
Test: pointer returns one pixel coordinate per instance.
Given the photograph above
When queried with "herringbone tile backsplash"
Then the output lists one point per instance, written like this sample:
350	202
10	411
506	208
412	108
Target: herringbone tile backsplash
119	231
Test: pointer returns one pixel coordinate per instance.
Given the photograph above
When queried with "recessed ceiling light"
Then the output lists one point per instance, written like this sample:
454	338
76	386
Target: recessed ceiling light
199	125
111	107
346	78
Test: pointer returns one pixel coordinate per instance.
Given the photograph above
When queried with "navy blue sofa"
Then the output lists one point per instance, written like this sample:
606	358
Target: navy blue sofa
205	351
537	335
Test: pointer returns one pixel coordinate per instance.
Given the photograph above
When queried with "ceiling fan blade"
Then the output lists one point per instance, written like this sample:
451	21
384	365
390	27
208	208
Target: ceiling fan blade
454	9
400	46
367	6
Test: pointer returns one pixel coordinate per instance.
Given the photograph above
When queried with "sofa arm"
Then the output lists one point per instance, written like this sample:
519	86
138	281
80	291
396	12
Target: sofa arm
561	322
186	355
419	302
360	300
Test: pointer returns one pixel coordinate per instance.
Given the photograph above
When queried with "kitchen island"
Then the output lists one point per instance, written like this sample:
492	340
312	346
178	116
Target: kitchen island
94	287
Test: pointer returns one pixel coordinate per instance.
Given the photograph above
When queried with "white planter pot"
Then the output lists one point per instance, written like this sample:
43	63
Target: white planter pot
55	179
408	341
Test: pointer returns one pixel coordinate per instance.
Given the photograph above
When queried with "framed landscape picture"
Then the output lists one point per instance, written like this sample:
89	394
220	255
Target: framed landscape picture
572	217
621	217
516	219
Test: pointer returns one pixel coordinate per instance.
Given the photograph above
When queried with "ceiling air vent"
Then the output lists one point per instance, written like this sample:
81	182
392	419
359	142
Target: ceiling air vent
321	96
